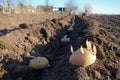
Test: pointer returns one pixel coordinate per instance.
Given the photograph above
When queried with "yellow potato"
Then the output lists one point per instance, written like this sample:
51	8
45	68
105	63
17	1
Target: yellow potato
39	63
83	56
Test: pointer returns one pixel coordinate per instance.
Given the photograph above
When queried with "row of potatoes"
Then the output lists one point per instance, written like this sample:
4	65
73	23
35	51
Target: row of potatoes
81	57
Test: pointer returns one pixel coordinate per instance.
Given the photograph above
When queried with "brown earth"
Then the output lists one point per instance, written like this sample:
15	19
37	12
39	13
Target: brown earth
42	38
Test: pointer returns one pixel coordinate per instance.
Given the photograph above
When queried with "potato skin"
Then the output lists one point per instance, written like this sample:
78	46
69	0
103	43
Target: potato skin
39	63
80	59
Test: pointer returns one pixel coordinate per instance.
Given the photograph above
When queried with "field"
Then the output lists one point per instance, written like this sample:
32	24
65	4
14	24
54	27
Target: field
25	36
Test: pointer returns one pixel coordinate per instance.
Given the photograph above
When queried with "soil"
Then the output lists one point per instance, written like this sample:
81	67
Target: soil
18	44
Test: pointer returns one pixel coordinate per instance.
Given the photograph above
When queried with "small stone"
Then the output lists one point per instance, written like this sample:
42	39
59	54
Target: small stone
96	74
33	39
19	46
28	55
32	52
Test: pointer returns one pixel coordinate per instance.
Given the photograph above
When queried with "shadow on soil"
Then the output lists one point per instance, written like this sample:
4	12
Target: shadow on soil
6	31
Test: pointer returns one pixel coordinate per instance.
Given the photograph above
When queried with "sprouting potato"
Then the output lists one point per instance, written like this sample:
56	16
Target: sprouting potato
65	39
83	56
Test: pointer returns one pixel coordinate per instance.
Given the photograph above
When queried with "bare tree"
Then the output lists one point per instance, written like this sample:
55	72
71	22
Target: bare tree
88	9
71	6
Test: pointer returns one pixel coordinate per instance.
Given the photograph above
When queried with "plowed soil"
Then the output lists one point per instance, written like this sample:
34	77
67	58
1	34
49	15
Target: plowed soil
19	44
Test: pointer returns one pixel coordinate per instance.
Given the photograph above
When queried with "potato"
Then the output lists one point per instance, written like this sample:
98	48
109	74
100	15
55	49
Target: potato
83	56
39	63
